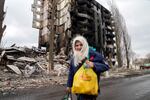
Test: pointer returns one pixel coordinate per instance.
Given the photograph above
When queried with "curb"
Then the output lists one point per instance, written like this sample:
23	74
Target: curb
130	74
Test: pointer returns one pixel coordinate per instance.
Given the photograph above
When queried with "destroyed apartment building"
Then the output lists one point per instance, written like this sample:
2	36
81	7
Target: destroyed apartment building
85	17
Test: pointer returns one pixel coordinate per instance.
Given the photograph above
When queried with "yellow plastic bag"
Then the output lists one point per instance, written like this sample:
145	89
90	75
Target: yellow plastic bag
85	82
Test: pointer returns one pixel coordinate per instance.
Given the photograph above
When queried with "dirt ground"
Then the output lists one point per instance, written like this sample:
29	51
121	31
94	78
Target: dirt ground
10	82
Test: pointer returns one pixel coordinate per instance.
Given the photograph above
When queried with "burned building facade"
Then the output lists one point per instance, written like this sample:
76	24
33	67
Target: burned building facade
72	17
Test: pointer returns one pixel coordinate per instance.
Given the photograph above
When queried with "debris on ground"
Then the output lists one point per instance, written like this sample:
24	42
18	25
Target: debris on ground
23	67
25	61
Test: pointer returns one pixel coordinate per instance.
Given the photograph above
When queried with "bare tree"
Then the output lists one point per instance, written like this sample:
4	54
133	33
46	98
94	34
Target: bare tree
123	40
2	16
148	58
52	32
148	55
115	14
127	42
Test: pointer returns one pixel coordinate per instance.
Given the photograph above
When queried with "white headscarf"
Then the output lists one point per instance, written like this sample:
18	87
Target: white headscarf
80	55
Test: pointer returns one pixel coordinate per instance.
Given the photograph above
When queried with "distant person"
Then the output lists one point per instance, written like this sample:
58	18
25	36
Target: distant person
82	54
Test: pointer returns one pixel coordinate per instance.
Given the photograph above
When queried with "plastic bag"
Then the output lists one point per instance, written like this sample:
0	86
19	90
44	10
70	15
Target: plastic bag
85	82
68	96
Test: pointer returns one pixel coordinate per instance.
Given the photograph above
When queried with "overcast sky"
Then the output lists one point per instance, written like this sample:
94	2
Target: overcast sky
137	16
19	23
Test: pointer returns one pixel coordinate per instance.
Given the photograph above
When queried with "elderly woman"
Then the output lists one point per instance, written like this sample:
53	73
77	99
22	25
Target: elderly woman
82	54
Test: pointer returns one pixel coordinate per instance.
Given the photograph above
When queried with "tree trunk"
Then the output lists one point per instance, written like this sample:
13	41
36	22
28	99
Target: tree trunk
2	14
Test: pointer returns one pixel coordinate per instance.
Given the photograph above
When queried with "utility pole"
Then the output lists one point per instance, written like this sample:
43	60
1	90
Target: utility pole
51	34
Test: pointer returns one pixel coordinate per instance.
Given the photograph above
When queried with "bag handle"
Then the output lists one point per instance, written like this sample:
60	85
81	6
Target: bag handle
68	96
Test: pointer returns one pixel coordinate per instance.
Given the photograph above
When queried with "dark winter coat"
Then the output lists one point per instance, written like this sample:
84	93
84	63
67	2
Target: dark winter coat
99	66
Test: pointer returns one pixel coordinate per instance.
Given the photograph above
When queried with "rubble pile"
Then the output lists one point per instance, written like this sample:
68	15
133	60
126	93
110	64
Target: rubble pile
60	63
22	67
20	60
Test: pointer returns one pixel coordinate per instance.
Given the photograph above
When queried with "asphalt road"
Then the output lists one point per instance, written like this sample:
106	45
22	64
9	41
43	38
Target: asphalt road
131	88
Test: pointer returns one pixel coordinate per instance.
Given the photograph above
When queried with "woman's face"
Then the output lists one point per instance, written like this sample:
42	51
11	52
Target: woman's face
78	46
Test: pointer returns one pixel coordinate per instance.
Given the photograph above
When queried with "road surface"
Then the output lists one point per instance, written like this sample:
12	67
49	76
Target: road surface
131	88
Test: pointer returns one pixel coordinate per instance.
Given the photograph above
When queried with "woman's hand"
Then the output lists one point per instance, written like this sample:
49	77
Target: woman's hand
68	89
89	63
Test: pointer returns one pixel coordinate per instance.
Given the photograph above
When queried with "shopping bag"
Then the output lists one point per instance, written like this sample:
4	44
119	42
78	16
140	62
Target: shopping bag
85	82
67	96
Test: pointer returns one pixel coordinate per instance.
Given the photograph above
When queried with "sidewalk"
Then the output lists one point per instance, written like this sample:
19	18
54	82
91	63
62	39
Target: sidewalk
120	73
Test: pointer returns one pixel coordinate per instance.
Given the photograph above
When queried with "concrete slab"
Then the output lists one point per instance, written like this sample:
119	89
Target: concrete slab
15	69
27	59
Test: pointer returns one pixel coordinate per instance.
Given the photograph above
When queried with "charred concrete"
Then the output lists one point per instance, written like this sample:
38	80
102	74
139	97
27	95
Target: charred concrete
84	17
